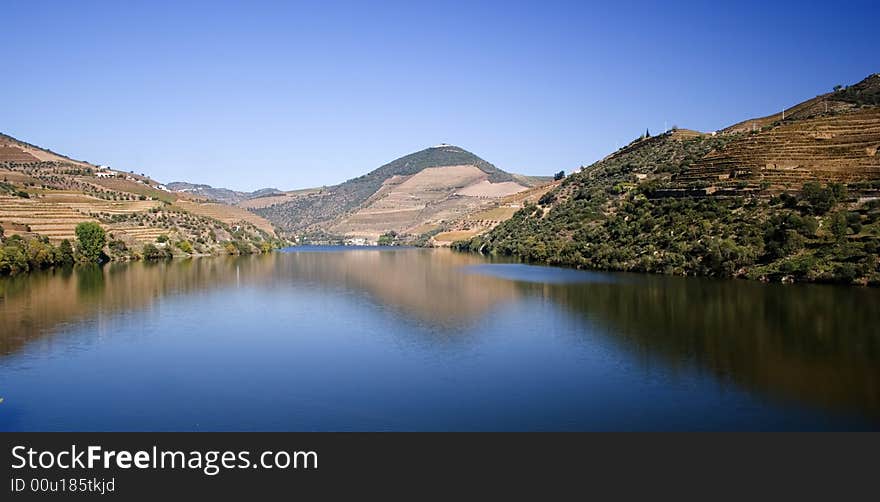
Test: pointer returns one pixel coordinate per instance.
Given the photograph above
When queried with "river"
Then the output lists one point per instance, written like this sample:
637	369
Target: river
418	339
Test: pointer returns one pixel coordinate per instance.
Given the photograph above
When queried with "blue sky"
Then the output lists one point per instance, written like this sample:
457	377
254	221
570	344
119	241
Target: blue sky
291	94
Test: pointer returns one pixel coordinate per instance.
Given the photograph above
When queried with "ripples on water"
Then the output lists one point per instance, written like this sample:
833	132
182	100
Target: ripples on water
412	339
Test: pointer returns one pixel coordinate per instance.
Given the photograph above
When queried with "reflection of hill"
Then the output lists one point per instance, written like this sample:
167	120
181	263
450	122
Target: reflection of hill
423	284
815	344
33	305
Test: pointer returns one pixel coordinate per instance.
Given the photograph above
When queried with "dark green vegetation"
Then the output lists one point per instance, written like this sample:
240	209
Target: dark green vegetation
25	253
90	239
19	255
615	215
153	253
334	201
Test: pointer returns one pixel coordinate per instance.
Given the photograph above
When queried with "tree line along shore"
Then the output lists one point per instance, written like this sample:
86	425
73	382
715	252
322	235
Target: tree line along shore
93	245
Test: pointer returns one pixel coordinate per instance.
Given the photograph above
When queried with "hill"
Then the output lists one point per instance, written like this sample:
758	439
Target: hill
13	150
223	195
770	198
44	195
412	196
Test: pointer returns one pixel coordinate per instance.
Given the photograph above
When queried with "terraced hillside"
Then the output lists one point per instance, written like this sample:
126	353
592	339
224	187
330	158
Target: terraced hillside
230	215
479	222
862	94
792	200
44	195
419	203
413	194
840	147
56	215
261	201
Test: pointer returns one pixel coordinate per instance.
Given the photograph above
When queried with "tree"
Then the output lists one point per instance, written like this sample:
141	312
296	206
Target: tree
783	235
65	253
838	225
820	199
558	176
90	239
40	253
12	260
838	190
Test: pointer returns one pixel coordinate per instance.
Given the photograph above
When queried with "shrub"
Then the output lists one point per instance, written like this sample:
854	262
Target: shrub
388	239
185	246
118	246
153	253
547	198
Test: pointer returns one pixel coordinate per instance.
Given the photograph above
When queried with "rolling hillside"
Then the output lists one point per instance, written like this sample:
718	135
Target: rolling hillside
413	196
45	195
793	199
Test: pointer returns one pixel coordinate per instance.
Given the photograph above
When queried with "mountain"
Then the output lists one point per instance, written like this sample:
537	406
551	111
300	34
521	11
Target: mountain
223	195
414	195
44	195
791	199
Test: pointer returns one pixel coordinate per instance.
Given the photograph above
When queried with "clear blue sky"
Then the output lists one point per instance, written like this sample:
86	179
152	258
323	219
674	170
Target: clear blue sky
285	94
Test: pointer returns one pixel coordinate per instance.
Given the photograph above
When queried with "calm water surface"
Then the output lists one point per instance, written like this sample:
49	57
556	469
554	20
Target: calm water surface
412	339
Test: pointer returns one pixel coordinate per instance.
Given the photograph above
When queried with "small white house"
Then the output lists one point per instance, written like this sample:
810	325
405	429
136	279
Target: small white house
104	174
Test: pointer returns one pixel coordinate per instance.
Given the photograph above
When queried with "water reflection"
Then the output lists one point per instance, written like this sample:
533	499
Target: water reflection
817	346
